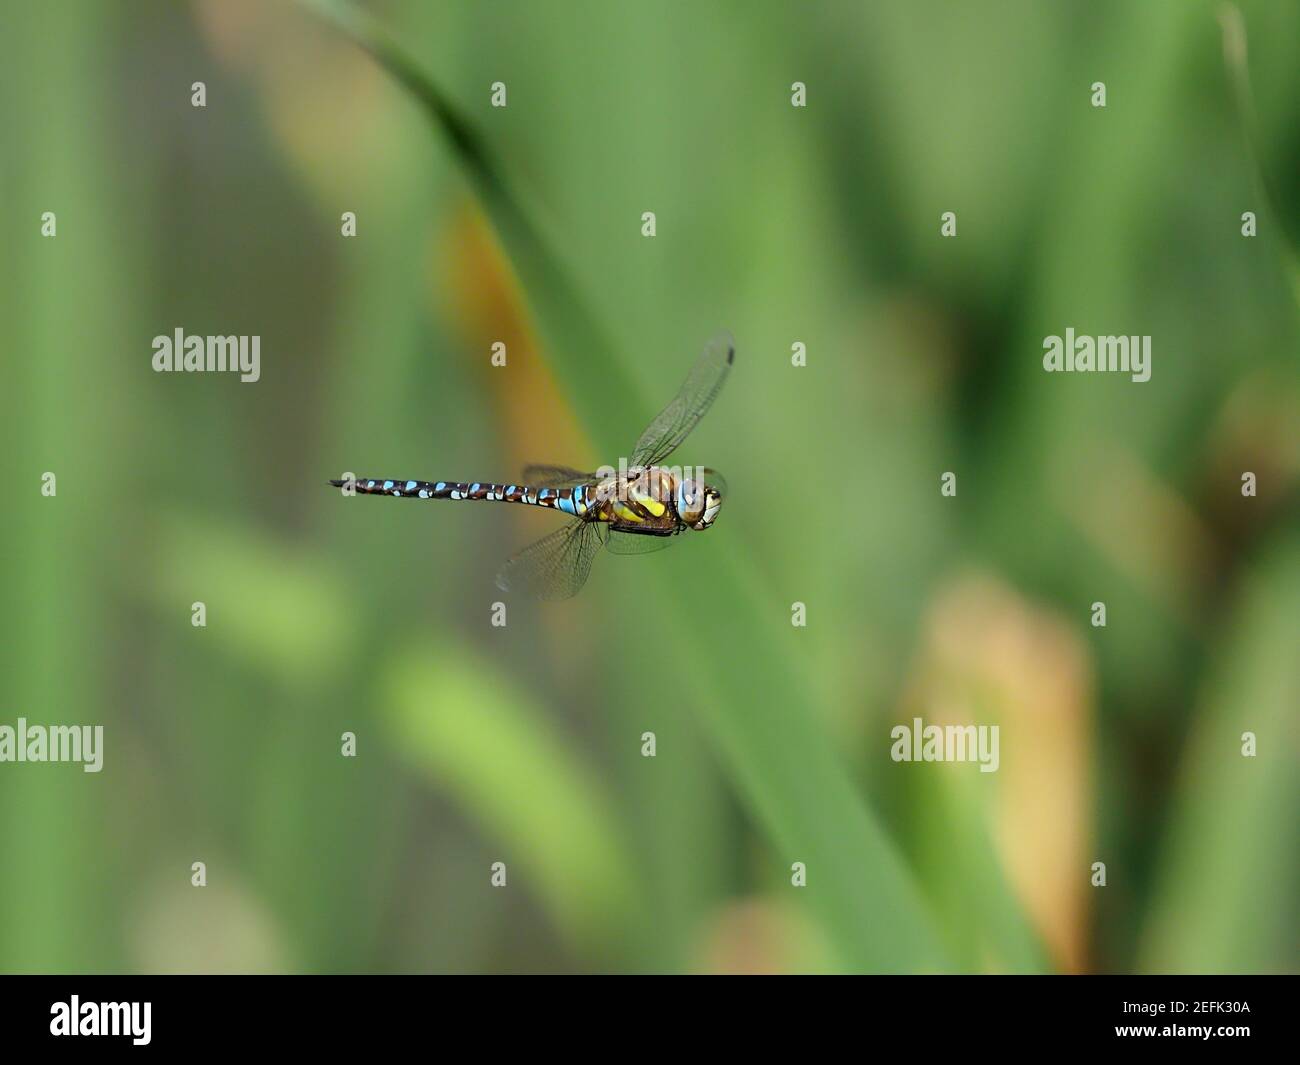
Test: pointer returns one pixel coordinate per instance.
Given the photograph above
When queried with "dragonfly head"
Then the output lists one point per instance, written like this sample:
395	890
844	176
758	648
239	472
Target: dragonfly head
712	504
698	503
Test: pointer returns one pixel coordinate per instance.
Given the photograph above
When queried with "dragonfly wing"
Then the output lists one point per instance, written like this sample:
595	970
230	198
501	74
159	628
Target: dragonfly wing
621	543
556	566
557	476
693	399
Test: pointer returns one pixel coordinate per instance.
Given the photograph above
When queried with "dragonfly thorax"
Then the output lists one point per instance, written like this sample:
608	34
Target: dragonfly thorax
657	500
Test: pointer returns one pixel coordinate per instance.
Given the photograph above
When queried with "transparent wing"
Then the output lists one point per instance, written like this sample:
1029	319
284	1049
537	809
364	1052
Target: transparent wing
621	543
556	476
696	395
713	477
556	566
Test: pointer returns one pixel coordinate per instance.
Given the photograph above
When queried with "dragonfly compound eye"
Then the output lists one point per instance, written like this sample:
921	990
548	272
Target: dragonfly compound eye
690	501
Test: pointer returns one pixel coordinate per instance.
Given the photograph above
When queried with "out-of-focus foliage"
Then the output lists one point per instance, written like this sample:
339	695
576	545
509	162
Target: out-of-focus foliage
820	225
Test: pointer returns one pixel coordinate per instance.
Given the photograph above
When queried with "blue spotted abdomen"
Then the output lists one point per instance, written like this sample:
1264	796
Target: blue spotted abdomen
575	501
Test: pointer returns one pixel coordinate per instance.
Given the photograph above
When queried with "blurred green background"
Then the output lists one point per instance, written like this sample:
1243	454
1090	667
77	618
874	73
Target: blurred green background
522	744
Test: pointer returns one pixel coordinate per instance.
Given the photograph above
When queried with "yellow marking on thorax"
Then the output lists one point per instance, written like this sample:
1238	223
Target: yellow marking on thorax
650	503
625	512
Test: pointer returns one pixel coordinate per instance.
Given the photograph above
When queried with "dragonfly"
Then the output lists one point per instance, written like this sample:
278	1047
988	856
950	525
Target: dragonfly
642	506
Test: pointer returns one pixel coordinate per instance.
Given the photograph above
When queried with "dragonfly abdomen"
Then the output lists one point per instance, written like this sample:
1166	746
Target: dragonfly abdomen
574	501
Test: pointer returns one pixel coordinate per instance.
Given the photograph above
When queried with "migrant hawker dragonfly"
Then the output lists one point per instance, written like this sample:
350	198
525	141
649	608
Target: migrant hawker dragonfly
637	508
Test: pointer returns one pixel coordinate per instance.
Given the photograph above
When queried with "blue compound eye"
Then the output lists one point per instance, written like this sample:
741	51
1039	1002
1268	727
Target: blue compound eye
690	501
